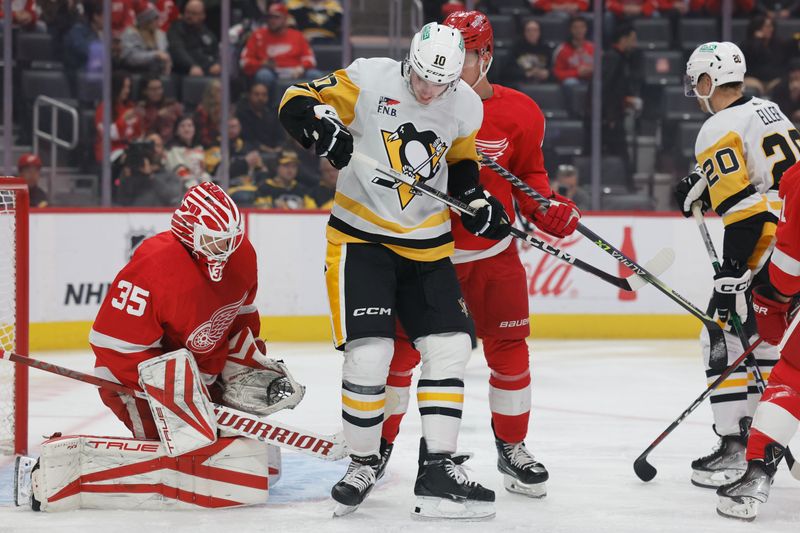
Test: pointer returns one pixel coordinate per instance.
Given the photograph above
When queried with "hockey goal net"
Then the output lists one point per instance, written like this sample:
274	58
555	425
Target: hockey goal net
13	314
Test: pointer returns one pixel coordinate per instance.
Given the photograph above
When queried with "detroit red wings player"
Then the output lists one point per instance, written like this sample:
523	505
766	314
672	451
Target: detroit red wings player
491	275
776	417
179	318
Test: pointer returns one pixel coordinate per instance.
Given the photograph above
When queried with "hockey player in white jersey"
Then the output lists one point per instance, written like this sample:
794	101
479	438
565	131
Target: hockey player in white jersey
742	150
388	250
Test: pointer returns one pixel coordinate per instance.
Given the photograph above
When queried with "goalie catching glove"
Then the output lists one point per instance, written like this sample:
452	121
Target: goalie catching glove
490	220
255	383
559	219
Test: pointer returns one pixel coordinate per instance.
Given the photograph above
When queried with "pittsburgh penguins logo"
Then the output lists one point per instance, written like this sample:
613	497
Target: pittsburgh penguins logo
414	153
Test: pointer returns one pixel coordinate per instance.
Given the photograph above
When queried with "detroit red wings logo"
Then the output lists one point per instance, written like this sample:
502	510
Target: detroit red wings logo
493	149
208	334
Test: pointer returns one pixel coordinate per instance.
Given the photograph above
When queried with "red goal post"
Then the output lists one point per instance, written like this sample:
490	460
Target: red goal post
14	268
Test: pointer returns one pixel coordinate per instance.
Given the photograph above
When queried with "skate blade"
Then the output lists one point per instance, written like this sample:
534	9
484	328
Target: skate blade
715	479
532	490
746	509
343	510
427	508
23	486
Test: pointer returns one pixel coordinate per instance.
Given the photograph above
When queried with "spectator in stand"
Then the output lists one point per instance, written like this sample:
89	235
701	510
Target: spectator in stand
531	57
123	14
787	93
449	7
631	9
621	77
565	8
24	16
194	48
284	191
713	8
209	114
278	51
323	193
779	9
238	150
319	20
157	113
260	126
566	184
125	124
185	155
143	181
58	17
764	55
144	46
82	40
246	175
167	13
573	60
308	171
29	168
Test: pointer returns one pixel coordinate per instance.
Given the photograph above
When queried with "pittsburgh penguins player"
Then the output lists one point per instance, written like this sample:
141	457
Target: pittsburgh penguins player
388	250
742	150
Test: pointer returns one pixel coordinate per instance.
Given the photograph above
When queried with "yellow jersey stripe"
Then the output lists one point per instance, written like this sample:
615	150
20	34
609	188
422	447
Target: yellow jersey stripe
362	211
336	90
463	148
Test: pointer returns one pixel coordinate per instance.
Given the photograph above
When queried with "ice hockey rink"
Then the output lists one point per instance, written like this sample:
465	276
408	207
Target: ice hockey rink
596	406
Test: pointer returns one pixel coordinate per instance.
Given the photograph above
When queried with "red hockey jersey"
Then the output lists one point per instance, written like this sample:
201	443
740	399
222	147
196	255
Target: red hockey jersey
784	268
163	300
511	133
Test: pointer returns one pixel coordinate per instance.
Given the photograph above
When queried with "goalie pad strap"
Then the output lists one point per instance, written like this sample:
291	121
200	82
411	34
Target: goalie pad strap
117	473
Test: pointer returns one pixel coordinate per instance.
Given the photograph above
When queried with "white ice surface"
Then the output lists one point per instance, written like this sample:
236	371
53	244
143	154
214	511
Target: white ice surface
596	406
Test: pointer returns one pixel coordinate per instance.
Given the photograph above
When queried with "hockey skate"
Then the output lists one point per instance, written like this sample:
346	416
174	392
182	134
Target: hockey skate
23	485
726	463
522	474
443	490
355	486
386	453
740	500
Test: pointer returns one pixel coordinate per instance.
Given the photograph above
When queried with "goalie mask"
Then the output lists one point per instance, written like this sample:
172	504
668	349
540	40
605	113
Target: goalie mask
722	62
477	32
209	224
433	66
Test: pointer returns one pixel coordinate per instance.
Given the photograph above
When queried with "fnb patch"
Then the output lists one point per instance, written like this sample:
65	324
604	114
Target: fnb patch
384	106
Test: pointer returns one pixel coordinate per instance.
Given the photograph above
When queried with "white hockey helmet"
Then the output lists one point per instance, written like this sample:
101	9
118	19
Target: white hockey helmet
723	62
436	56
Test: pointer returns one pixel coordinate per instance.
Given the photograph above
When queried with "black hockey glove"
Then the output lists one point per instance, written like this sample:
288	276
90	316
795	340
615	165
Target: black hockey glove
730	290
333	140
490	220
693	188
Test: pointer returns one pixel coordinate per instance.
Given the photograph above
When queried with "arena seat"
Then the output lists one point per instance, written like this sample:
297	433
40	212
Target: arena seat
564	137
694	32
192	89
627	202
52	83
652	33
787	29
504	28
577	99
549	97
89	87
739	30
612	172
663	67
329	56
679	107
687	135
36	50
554	30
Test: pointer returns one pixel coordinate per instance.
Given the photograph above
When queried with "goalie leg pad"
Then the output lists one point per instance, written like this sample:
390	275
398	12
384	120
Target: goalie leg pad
84	472
179	401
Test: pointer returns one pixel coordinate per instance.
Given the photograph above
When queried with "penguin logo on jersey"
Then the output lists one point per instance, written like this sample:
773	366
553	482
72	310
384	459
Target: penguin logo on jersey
414	153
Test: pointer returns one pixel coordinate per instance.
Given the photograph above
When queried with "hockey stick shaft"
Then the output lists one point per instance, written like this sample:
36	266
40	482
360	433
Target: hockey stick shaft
644	470
461	207
718	350
329	447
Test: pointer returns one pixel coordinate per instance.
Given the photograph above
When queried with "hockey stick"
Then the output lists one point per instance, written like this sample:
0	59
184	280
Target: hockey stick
719	352
644	470
750	360
662	260
266	430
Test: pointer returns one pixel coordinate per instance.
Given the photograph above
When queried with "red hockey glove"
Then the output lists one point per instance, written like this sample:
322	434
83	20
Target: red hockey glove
772	316
560	219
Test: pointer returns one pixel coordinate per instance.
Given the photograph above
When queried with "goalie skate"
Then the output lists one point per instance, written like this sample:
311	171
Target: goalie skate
23	487
355	486
444	492
522	474
726	463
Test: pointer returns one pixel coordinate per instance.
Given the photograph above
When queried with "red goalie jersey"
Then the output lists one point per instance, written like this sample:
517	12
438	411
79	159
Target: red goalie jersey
163	300
511	134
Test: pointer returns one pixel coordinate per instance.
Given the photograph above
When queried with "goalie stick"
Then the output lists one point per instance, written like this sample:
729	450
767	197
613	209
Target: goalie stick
659	262
750	360
266	430
719	352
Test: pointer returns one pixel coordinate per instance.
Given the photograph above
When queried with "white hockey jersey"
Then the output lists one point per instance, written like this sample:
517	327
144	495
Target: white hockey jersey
743	150
387	123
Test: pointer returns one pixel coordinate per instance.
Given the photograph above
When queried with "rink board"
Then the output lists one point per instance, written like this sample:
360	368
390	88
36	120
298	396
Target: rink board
76	254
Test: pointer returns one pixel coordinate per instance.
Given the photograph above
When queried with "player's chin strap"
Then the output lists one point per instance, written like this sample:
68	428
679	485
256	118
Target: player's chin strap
484	71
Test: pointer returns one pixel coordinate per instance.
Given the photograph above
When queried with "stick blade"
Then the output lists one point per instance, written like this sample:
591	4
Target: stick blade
718	359
644	470
659	264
